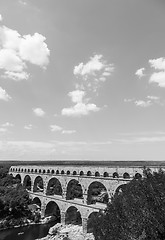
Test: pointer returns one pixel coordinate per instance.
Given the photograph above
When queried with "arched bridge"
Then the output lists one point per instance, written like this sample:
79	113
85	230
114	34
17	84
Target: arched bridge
74	192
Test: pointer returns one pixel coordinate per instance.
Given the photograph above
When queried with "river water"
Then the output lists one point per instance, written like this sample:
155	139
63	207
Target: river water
26	233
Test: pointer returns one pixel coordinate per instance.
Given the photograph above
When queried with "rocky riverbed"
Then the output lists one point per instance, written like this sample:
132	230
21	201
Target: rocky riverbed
67	232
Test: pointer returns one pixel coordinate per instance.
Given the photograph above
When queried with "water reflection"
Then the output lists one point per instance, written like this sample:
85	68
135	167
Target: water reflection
26	233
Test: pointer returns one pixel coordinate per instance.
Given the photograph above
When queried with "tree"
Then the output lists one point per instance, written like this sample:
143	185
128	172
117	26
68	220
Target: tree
137	212
14	199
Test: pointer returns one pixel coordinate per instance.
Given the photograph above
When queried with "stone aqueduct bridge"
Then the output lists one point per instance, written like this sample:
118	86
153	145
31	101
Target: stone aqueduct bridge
41	179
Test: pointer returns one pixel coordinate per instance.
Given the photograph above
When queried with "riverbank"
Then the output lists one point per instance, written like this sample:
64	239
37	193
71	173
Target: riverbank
67	232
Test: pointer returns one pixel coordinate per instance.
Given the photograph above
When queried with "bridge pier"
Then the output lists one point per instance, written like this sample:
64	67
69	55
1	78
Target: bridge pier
63	218
32	186
43	207
64	194
85	198
84	225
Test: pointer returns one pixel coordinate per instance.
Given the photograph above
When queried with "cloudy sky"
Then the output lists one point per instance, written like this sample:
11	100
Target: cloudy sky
82	79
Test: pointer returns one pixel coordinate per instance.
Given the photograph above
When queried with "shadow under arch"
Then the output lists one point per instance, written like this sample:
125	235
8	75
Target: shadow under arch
18	178
126	175
138	176
38	184
36	201
73	216
52	209
54	187
97	192
90	221
120	189
27	182
74	190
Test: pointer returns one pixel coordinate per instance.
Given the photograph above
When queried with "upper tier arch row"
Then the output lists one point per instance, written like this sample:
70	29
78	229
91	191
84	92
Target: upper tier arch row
83	171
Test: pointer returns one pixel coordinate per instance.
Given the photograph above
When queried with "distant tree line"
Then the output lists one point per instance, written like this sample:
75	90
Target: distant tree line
136	212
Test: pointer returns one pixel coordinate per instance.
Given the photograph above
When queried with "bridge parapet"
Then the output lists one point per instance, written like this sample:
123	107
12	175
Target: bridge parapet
82	171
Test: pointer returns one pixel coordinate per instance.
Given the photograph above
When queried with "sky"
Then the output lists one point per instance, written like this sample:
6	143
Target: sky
82	80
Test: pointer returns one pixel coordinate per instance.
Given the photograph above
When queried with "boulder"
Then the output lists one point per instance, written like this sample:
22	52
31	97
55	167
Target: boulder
55	229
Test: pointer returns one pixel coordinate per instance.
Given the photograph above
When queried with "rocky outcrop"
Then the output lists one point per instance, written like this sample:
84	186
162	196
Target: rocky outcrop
67	232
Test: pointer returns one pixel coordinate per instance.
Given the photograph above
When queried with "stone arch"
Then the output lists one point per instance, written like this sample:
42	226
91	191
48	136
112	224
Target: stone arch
106	174
91	217
74	190
73	216
44	171
18	178
62	172
52	209
97	174
138	175
97	192
52	172
115	175
48	171
81	173
120	189
57	172
38	184
89	173
37	201
27	182
74	173
54	187
126	175
68	172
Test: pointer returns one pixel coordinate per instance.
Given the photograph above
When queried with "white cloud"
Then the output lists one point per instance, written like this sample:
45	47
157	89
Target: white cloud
155	98
76	96
17	50
128	100
23	2
3	95
80	109
68	131
159	78
7	124
158	64
9	61
91	67
141	103
55	128
3	130
39	112
150	100
92	73
1	18
17	76
140	72
34	49
28	127
144	139
94	66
